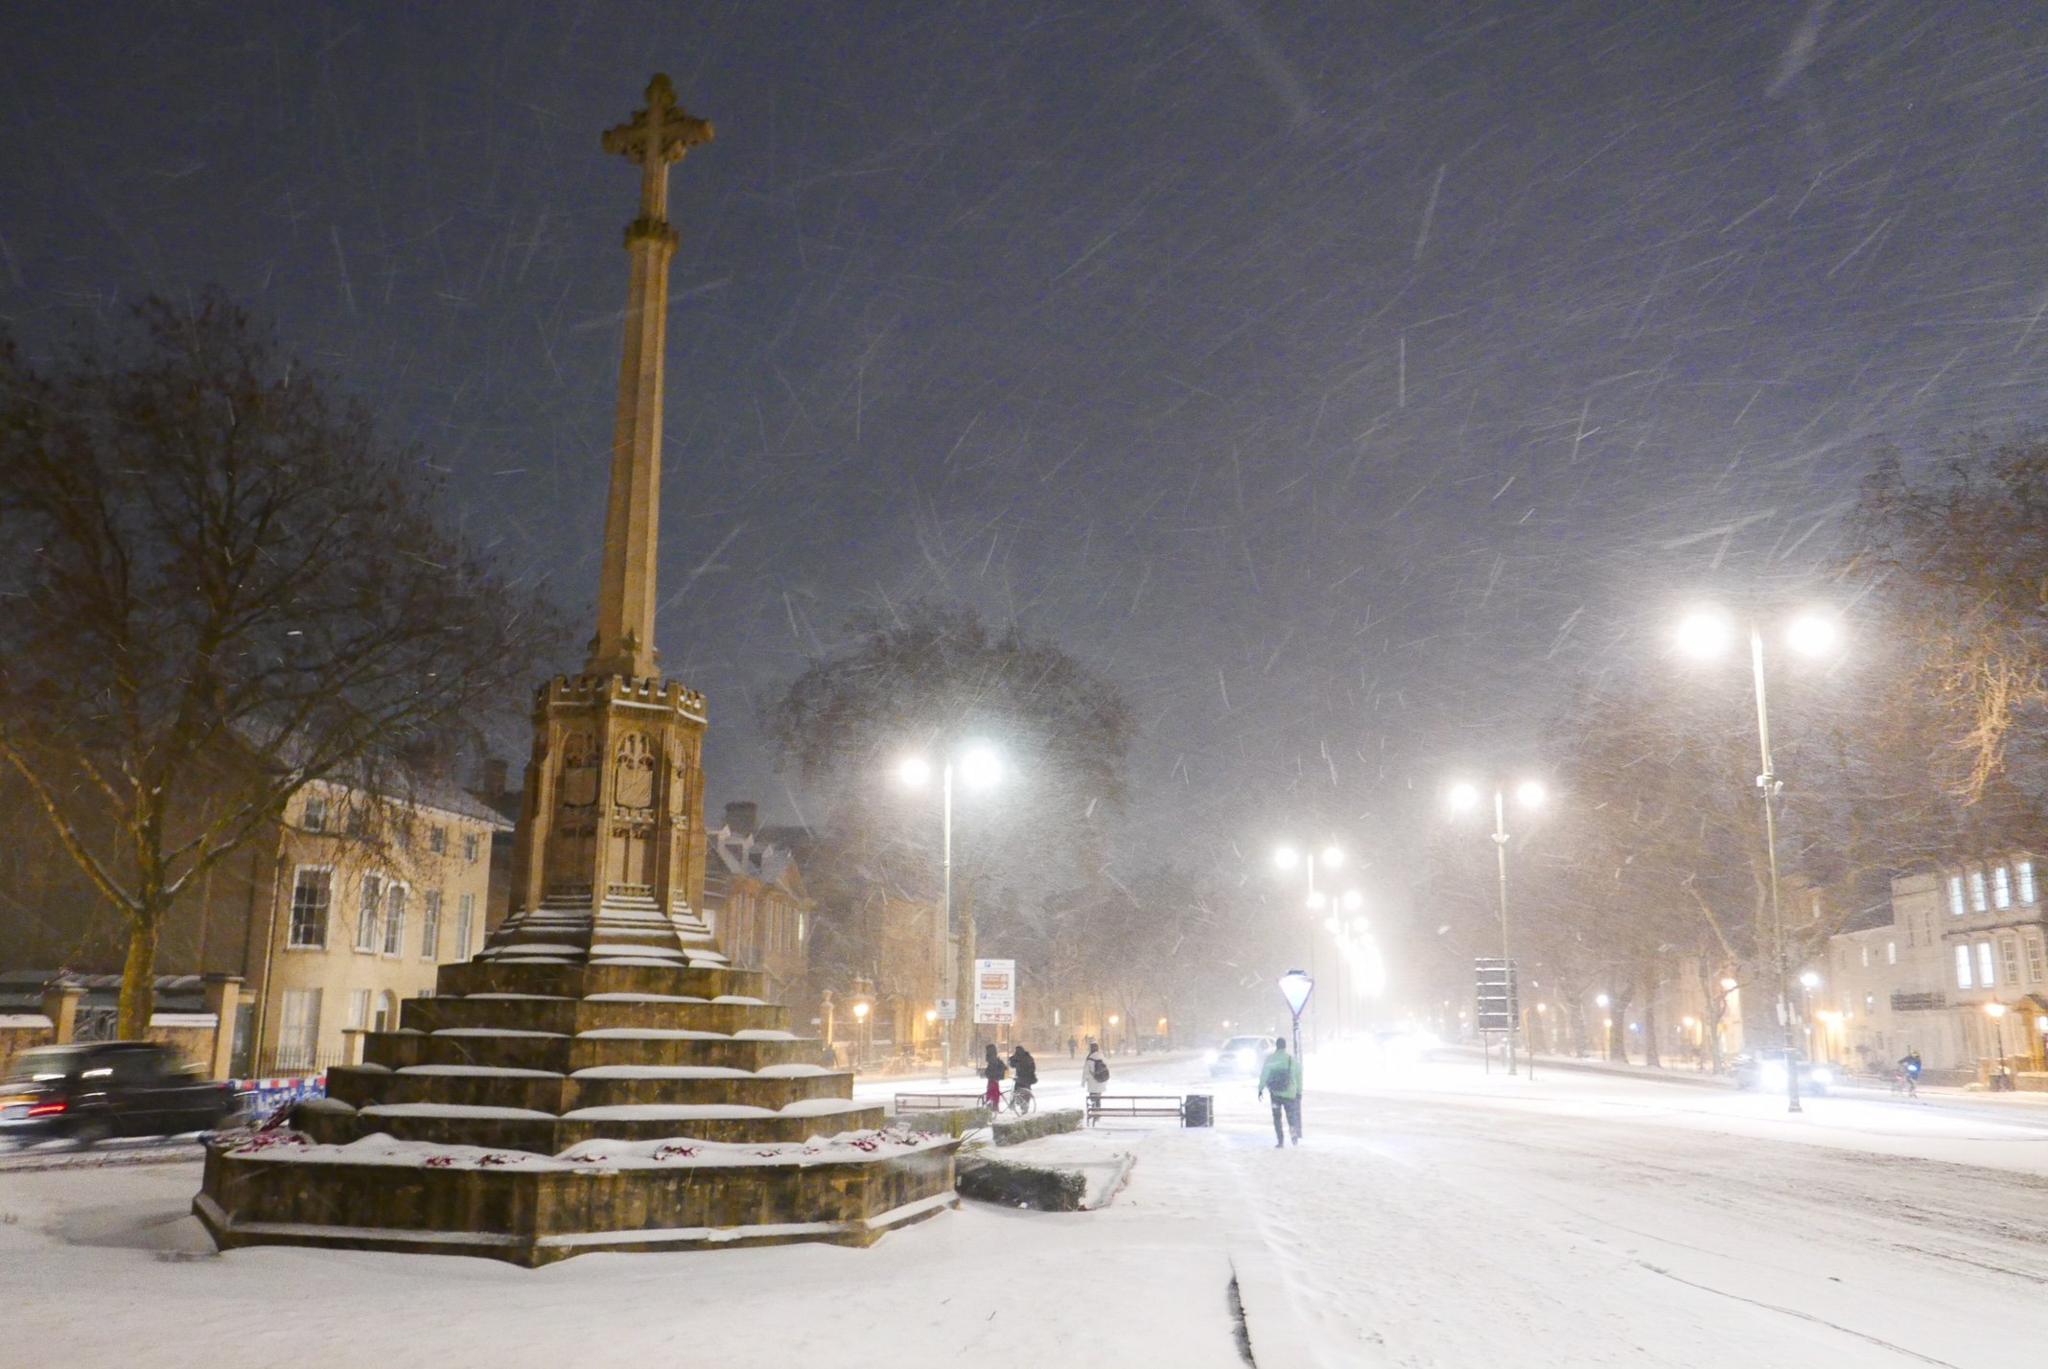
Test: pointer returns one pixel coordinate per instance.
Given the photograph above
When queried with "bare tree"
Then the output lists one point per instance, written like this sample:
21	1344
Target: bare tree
220	585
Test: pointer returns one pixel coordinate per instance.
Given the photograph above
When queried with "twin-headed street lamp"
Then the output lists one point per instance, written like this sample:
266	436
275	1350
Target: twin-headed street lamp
1529	794
1290	857
1704	634
980	767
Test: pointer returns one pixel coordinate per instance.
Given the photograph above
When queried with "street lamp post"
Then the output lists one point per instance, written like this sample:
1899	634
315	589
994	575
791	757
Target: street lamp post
1287	857
1529	794
981	768
1703	634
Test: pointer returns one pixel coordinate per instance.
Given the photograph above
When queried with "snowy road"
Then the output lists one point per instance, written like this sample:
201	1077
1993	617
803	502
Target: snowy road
1436	1216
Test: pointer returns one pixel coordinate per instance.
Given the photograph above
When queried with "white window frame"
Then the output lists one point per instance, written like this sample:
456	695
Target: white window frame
1979	902
1987	962
2028	893
1866	957
437	839
359	1009
298	1029
369	913
2001	887
1955	896
313	817
396	895
2037	963
291	930
465	925
1891	952
1964	979
470	843
430	925
2009	958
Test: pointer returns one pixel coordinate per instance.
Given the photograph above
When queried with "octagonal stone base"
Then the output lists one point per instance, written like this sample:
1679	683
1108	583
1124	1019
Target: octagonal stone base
536	1217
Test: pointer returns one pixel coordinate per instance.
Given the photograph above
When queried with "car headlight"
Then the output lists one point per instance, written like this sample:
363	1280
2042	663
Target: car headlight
1821	1074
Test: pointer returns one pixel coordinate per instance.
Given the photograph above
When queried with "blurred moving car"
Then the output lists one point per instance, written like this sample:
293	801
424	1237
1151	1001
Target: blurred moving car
1239	1057
1766	1070
90	1092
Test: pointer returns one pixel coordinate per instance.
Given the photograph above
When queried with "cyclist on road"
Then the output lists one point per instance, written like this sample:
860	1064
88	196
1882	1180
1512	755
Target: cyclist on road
1027	1078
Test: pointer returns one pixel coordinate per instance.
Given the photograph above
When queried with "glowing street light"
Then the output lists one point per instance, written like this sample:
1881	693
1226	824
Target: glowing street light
1809	980
981	768
1705	633
1464	797
1289	856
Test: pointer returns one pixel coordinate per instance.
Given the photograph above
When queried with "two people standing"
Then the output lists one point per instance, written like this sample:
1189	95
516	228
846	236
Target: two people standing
1281	1078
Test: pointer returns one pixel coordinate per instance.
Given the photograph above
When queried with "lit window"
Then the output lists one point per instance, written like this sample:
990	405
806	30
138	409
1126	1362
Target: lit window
366	915
2026	869
430	926
465	920
1891	952
2036	970
1866	957
1986	978
1963	967
1955	895
1978	903
2001	887
2009	957
316	813
312	892
394	920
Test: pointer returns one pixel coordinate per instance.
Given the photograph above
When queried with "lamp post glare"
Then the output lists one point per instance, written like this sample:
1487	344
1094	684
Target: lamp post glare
1288	856
1353	900
1813	634
1705	633
1464	797
1809	980
981	767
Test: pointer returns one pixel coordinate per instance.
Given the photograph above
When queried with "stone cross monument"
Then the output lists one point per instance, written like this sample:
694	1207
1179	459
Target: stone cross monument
614	792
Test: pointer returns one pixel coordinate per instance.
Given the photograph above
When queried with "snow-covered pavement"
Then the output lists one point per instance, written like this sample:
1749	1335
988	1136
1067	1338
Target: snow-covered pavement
1435	1216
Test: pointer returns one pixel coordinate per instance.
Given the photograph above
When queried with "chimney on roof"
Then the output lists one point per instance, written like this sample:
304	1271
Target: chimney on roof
742	818
494	778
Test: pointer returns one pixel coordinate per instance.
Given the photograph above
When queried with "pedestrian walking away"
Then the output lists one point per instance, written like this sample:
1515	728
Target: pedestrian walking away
1094	1072
993	1069
1282	1079
1073	1048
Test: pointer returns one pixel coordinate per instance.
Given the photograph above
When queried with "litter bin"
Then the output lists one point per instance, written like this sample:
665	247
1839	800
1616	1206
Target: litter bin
1198	1110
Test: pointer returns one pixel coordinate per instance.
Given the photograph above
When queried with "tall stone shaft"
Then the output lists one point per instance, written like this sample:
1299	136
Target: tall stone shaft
624	644
614	805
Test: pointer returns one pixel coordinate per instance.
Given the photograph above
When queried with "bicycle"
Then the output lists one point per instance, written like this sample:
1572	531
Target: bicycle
1021	1102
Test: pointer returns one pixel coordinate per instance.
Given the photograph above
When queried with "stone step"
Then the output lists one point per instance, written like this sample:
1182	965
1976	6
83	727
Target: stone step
496	1086
565	1054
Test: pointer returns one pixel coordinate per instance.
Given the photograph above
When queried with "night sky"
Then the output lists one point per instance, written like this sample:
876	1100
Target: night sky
1341	379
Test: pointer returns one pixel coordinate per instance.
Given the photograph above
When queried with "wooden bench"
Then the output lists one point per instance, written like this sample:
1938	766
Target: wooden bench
1171	1105
936	1102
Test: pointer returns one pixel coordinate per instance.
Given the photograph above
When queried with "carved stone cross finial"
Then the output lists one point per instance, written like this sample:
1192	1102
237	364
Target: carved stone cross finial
654	137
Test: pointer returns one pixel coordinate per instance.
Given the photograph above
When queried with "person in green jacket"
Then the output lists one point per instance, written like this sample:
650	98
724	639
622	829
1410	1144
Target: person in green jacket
1282	1078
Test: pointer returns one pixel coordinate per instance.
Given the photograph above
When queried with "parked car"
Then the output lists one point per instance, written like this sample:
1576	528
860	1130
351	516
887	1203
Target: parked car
1766	1070
90	1092
1239	1057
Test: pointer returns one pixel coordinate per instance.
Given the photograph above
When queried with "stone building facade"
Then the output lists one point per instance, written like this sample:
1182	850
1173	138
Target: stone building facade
756	904
304	939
